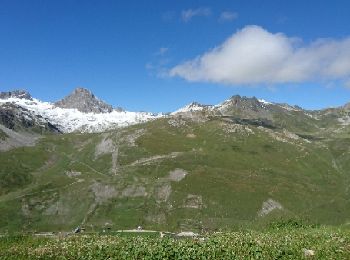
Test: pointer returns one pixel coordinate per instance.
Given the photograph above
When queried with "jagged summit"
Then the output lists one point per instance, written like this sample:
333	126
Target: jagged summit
85	101
192	107
23	94
243	101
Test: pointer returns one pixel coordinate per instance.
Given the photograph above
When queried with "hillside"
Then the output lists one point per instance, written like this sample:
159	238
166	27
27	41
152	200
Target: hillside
208	168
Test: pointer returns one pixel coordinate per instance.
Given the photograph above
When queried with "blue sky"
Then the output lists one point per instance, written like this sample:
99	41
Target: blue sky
124	51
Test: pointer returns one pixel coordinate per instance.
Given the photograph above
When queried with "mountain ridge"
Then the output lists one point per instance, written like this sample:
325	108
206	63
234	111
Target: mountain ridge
82	111
16	94
20	93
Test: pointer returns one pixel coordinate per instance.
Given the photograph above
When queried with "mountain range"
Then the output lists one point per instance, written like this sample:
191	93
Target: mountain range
243	162
81	111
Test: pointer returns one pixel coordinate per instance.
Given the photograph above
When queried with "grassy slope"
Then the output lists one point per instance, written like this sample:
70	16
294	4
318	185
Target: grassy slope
230	175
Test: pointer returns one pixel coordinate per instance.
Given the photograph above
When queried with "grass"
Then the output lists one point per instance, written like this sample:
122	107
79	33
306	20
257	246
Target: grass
18	165
281	243
231	174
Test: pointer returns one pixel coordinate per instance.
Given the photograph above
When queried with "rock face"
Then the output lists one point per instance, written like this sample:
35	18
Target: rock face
21	127
86	102
17	118
15	94
245	107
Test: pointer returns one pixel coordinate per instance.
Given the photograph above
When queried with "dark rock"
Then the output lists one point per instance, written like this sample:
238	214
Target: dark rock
18	118
16	94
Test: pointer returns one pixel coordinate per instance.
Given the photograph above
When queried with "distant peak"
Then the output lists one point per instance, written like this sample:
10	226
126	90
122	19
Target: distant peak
82	90
195	104
236	97
85	101
192	107
23	94
237	100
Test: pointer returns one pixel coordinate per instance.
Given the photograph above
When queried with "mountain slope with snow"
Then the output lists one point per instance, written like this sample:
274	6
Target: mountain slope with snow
69	120
82	112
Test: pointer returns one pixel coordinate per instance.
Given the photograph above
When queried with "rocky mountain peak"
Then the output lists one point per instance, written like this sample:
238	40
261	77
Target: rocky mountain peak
16	94
85	101
195	104
246	107
237	99
238	102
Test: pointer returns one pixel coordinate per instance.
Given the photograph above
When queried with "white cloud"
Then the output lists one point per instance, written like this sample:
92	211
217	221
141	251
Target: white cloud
228	16
254	55
187	15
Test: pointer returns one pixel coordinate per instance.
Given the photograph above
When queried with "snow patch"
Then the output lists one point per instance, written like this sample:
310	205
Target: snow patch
265	102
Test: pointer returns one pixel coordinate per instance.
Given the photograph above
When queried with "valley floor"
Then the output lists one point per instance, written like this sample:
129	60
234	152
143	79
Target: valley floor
277	243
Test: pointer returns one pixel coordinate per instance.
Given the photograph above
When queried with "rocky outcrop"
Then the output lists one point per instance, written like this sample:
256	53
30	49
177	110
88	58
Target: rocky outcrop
84	101
245	107
16	94
18	118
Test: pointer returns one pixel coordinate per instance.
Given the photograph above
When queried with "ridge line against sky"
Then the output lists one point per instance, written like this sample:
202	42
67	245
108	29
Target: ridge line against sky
293	52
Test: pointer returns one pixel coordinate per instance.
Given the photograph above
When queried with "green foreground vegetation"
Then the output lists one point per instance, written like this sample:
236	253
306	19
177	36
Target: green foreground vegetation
283	243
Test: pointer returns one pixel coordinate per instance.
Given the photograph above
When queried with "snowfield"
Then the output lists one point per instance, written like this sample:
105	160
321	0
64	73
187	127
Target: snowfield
72	120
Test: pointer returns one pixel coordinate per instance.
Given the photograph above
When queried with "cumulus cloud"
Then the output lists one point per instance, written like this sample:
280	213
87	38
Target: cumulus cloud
256	56
187	15
228	16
